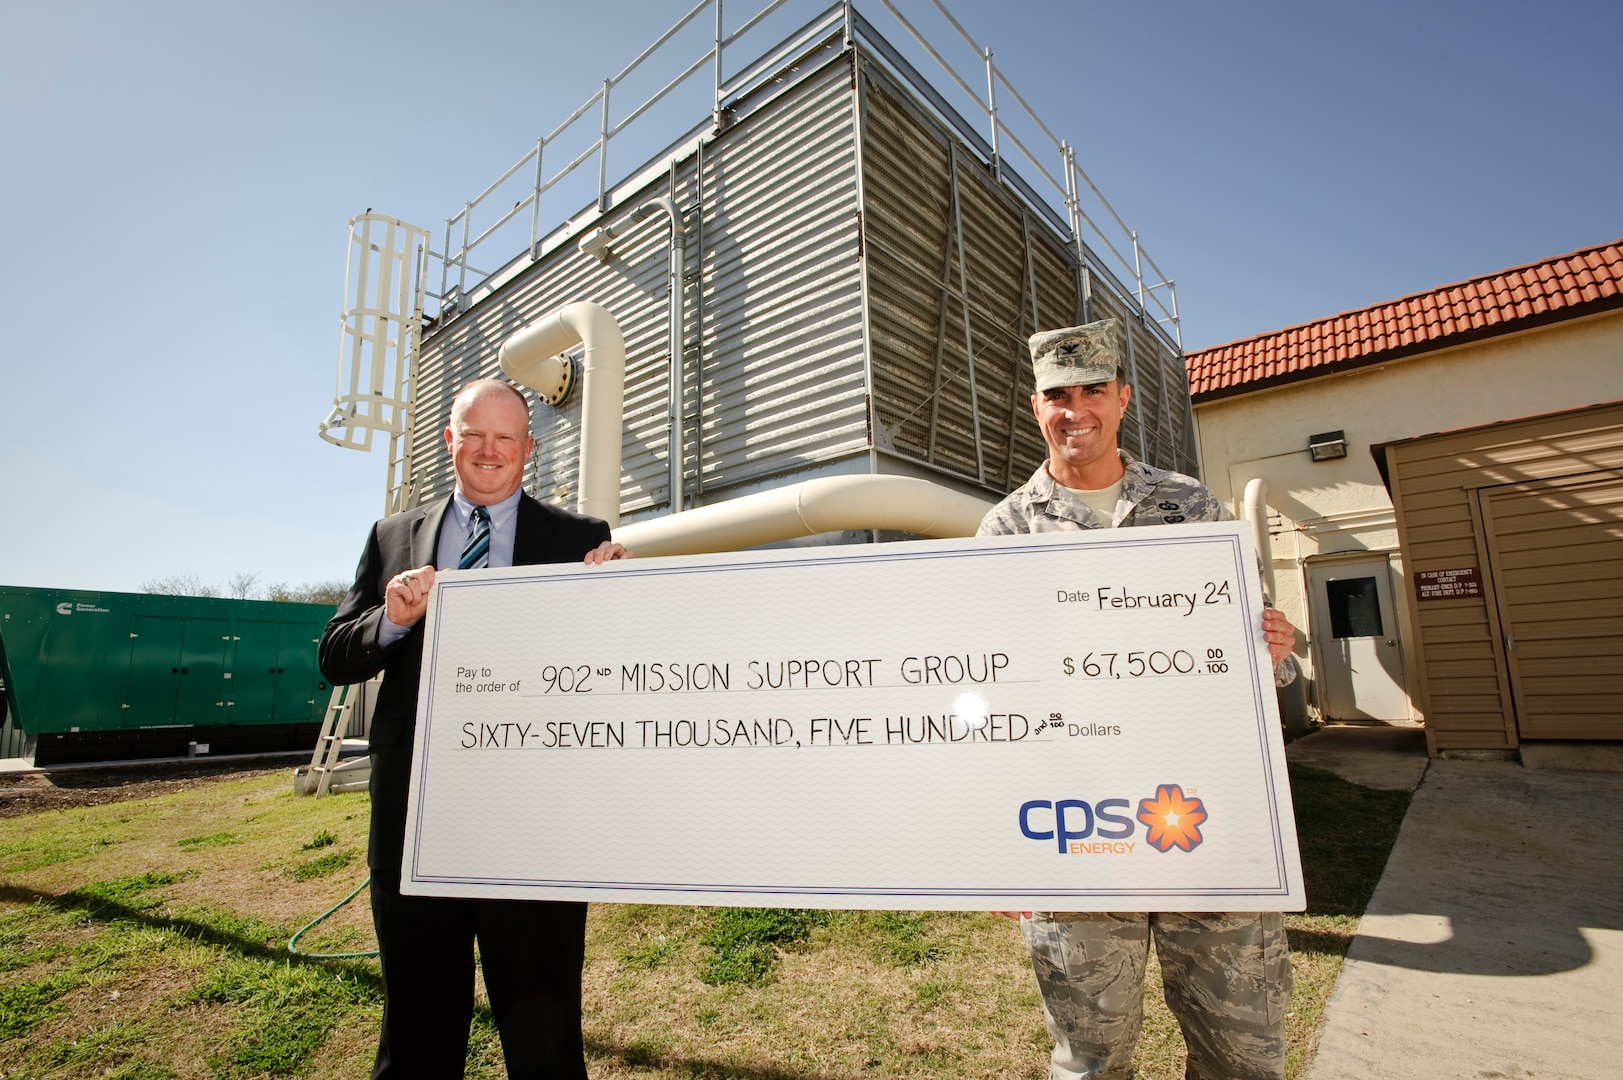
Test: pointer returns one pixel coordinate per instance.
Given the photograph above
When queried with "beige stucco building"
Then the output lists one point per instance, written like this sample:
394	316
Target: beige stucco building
1453	545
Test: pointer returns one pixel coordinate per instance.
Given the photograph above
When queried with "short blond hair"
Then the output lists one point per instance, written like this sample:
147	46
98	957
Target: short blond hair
479	388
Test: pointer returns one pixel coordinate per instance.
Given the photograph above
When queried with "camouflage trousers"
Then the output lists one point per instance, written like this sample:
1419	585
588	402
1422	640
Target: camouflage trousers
1227	979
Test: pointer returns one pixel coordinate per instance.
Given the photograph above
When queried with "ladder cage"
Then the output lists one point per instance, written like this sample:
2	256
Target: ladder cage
379	339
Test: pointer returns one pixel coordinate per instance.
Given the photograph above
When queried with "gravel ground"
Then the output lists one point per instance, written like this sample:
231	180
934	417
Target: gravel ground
64	789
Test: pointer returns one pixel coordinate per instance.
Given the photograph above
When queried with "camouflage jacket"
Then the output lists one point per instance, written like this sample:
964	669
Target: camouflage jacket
1149	496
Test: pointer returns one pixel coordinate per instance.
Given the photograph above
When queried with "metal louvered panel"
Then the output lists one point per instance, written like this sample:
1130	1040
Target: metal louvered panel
908	204
1158	428
926	201
943	237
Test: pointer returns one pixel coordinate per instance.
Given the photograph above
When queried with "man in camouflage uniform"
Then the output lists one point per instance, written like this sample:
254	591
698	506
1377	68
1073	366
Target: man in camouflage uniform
1227	974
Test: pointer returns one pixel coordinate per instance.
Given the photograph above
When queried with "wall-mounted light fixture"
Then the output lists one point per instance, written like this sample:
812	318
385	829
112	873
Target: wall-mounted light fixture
1327	445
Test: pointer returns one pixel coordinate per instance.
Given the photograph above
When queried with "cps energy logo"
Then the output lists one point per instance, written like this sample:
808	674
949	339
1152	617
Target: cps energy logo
1171	820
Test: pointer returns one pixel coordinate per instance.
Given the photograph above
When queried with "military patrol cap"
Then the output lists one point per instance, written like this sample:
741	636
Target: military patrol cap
1076	355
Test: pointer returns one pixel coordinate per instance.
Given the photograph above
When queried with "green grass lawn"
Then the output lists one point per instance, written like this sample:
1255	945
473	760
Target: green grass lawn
145	940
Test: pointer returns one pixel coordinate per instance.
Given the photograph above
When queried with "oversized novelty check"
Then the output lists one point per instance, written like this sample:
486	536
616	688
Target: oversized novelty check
1072	721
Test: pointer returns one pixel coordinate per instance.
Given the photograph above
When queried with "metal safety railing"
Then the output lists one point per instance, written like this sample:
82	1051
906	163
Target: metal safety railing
598	106
1160	293
1074	203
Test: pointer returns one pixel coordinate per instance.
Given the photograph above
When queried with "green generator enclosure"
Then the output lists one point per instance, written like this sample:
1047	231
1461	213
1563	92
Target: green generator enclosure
93	676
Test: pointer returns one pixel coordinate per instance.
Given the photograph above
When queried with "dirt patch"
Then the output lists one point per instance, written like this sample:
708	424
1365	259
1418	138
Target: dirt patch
67	789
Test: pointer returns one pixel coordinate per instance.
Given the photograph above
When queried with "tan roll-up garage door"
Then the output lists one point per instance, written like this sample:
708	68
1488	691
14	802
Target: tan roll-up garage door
1555	550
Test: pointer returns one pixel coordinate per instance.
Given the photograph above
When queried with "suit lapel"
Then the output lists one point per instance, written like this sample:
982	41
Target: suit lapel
425	533
530	536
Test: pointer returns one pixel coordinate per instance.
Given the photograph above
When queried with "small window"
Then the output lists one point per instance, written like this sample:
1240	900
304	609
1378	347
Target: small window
1355	609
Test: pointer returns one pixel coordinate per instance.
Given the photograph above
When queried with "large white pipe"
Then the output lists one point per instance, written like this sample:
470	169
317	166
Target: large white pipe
817	506
603	378
1256	512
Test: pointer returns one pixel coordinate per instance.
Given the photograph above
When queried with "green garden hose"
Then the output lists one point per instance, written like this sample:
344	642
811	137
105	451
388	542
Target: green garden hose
293	942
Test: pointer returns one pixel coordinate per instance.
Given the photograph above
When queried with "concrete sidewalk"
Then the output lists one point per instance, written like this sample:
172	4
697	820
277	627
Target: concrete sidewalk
1374	755
1493	946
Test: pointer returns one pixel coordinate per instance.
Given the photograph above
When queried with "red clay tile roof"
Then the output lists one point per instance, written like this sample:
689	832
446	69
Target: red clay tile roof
1519	298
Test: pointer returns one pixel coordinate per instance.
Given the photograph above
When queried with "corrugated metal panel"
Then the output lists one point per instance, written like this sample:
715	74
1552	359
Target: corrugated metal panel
632	285
782	340
779	355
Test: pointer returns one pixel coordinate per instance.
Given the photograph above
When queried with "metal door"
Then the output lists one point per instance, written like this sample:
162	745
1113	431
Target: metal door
1359	660
1556	555
155	648
200	691
251	690
296	674
176	672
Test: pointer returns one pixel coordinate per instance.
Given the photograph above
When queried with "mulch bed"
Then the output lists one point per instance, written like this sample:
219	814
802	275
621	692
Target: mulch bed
66	789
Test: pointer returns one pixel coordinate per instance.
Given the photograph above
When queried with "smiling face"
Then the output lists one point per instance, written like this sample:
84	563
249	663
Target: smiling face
1079	424
489	439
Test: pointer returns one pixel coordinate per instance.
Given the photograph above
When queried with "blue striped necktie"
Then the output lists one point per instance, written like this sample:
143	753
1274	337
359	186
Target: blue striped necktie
477	552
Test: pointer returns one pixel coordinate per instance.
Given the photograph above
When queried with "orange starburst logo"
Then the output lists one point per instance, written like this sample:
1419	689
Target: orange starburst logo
1173	818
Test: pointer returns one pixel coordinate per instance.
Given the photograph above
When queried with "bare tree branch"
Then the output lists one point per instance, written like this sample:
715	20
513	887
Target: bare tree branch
187	584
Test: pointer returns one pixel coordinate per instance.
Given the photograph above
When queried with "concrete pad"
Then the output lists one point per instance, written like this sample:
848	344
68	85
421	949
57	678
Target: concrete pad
1374	755
1586	756
1493	946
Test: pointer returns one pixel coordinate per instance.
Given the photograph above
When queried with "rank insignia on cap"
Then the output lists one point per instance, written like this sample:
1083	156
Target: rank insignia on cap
1076	355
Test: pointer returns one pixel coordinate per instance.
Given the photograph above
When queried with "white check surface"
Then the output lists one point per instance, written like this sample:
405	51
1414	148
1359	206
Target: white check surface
999	723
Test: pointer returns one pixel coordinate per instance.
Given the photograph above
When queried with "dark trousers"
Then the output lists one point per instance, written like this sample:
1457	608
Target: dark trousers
531	952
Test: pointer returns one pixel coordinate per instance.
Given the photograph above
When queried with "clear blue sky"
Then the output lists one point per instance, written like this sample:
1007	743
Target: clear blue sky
178	179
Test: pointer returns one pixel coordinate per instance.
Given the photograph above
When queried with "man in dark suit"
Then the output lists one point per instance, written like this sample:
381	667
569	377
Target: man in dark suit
531	951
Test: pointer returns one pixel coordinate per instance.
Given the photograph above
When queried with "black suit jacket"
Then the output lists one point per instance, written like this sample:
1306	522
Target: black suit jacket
350	653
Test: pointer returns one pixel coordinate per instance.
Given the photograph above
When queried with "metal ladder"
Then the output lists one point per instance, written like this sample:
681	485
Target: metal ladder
331	741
